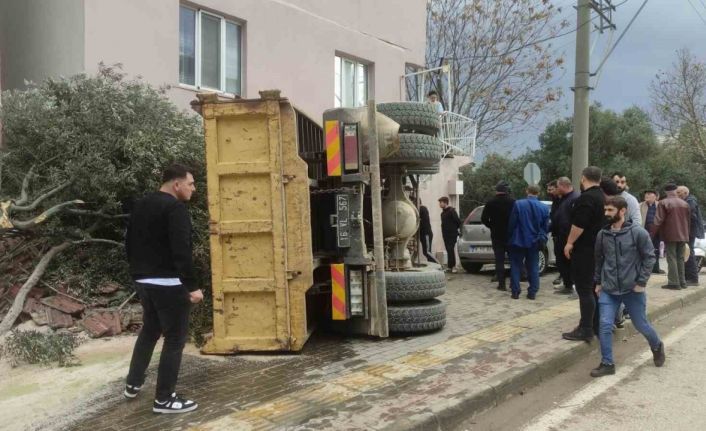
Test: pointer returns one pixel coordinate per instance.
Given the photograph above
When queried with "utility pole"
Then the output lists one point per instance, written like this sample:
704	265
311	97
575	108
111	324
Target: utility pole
579	156
604	9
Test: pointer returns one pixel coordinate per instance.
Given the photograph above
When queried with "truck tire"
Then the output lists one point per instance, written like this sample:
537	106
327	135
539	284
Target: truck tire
413	117
472	267
414	285
429	170
417	150
416	317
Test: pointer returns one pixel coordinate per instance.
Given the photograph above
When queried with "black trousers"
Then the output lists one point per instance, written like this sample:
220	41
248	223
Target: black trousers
426	239
655	243
450	244
500	249
165	313
562	263
582	267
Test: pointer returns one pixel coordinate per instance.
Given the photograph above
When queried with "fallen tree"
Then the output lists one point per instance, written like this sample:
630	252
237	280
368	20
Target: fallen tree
77	152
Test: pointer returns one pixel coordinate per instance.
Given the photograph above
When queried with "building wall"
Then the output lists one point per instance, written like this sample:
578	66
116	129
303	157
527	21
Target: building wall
289	45
39	38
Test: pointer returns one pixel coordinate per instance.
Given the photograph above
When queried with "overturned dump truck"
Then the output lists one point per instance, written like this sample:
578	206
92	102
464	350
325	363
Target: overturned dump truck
311	226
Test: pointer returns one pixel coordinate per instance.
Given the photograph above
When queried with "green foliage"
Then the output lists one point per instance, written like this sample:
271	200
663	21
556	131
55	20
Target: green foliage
111	136
34	347
624	142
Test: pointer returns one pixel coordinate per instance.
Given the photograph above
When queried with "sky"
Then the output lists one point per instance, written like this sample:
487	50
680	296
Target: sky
650	45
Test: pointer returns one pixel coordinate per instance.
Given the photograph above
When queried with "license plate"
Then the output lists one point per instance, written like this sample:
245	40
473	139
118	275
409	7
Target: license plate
343	228
481	249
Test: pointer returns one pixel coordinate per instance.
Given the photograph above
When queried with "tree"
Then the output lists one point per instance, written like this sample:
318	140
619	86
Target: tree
679	100
76	153
479	184
502	63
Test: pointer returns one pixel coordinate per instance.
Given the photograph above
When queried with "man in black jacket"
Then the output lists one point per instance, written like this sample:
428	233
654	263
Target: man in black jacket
450	228
561	226
587	218
159	251
495	217
425	233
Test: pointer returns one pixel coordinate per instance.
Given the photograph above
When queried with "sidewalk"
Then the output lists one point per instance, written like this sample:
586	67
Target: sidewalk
491	348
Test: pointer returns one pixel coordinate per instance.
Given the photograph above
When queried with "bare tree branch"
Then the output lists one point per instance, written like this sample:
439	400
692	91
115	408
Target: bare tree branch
40	199
24	197
29	224
32	281
98	241
100	214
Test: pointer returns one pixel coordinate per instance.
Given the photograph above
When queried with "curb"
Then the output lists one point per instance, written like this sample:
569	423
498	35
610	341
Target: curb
517	380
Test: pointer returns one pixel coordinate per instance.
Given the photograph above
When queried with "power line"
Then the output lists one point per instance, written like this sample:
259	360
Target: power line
621	36
697	11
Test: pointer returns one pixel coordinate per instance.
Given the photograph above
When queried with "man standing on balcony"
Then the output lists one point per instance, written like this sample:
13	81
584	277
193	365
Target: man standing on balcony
496	215
433	98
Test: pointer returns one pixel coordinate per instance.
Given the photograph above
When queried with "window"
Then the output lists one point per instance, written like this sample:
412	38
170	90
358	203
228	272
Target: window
210	50
351	83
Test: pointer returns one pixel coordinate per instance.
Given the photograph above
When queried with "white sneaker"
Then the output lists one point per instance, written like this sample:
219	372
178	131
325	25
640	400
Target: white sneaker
454	270
174	404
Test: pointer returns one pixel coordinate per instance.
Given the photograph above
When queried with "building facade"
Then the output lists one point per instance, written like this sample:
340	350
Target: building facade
319	53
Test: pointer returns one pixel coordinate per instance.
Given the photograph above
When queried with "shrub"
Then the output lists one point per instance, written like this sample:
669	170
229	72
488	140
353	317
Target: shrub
35	347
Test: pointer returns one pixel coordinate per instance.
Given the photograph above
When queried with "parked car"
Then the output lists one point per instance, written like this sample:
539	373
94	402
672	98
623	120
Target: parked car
475	249
700	252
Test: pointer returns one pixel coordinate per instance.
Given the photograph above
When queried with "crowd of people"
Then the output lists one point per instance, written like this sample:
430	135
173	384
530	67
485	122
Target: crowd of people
606	243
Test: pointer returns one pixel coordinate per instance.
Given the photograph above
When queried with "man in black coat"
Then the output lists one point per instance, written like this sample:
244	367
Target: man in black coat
425	233
561	227
495	217
450	230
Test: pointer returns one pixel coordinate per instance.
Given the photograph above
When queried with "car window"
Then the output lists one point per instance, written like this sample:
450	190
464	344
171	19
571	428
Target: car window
474	216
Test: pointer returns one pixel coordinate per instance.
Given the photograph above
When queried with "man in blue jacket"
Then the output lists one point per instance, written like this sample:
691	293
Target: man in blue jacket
624	257
527	230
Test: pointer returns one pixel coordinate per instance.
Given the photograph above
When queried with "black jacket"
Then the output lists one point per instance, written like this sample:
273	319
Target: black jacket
496	215
158	240
588	213
561	218
424	221
450	223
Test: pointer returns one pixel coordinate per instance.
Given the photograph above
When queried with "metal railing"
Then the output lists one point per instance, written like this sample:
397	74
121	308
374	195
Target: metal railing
458	133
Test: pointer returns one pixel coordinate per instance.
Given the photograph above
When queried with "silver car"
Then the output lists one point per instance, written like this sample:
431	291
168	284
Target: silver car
475	249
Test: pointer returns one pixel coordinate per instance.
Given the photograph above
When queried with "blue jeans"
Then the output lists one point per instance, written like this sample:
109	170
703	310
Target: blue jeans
529	257
636	304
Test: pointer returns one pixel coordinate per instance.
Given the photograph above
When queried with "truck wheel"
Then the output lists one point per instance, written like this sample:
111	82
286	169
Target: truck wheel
422	150
416	317
414	285
412	116
429	170
472	268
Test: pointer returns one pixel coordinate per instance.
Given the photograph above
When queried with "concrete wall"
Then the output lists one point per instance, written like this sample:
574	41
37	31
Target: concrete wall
40	38
289	45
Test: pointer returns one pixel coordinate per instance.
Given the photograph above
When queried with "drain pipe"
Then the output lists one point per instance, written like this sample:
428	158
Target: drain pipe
378	294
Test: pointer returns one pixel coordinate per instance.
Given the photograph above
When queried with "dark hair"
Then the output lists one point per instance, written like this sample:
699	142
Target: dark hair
609	187
592	173
533	190
173	172
654	192
552	183
618	202
432	93
670	187
618	174
444	199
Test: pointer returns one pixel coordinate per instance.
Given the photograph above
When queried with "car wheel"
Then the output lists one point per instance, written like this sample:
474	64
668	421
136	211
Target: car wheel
473	268
417	284
699	262
416	317
543	259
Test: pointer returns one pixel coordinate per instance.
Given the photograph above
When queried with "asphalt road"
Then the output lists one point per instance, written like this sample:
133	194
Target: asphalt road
639	397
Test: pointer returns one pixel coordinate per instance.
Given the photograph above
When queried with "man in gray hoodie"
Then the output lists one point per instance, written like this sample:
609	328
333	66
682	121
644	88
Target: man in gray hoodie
624	257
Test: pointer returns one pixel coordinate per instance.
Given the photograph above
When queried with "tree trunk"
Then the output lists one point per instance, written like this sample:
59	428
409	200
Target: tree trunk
32	281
